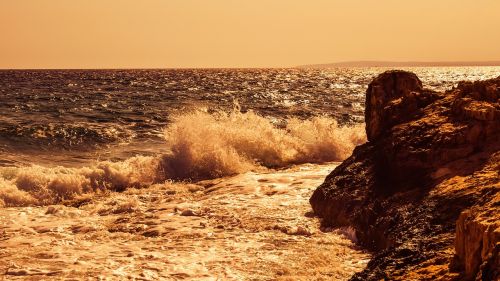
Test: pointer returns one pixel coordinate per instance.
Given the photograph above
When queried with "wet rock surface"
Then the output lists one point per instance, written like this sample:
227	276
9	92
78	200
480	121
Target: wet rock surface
423	193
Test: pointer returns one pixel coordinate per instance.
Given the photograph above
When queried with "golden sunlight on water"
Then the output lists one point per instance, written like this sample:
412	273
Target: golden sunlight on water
253	226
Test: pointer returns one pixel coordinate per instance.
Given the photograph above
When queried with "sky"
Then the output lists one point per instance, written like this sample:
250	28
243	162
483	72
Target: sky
239	33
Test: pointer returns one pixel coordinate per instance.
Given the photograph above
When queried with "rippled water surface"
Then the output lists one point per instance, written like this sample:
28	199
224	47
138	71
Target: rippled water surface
180	174
72	117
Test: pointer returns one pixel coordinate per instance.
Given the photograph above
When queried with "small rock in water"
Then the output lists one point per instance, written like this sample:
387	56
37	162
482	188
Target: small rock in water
153	232
301	231
188	213
310	214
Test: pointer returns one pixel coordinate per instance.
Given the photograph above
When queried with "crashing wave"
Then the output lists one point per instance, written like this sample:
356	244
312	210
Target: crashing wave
202	146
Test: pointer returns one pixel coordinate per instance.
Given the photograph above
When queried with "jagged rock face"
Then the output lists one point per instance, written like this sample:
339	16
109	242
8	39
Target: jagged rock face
390	97
475	241
430	157
479	101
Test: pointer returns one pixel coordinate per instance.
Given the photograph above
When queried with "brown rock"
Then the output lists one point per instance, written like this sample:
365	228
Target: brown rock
390	98
430	157
475	241
490	269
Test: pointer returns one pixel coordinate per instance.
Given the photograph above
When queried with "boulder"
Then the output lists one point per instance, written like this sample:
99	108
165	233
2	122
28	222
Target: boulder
421	192
393	97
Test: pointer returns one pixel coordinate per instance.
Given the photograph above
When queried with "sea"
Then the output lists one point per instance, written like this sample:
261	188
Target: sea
74	131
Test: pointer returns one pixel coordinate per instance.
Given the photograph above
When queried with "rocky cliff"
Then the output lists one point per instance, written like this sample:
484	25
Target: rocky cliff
423	192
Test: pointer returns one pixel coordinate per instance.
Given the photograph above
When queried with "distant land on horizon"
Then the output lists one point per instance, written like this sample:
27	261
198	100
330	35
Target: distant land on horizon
401	64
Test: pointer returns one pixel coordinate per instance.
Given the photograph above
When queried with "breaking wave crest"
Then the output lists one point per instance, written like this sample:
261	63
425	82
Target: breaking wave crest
202	146
207	145
37	185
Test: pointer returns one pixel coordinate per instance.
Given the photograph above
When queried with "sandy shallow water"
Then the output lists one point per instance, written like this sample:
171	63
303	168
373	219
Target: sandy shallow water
254	226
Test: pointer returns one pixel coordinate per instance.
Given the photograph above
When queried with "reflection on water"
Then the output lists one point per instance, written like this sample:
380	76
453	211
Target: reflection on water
73	117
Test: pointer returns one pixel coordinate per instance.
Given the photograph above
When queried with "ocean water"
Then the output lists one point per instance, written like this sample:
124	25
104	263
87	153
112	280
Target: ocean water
65	132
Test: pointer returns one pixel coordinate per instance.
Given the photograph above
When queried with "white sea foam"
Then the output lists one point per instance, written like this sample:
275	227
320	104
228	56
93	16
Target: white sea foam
207	145
202	146
37	185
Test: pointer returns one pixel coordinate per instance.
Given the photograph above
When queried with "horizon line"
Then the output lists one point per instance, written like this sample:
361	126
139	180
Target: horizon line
357	63
408	63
